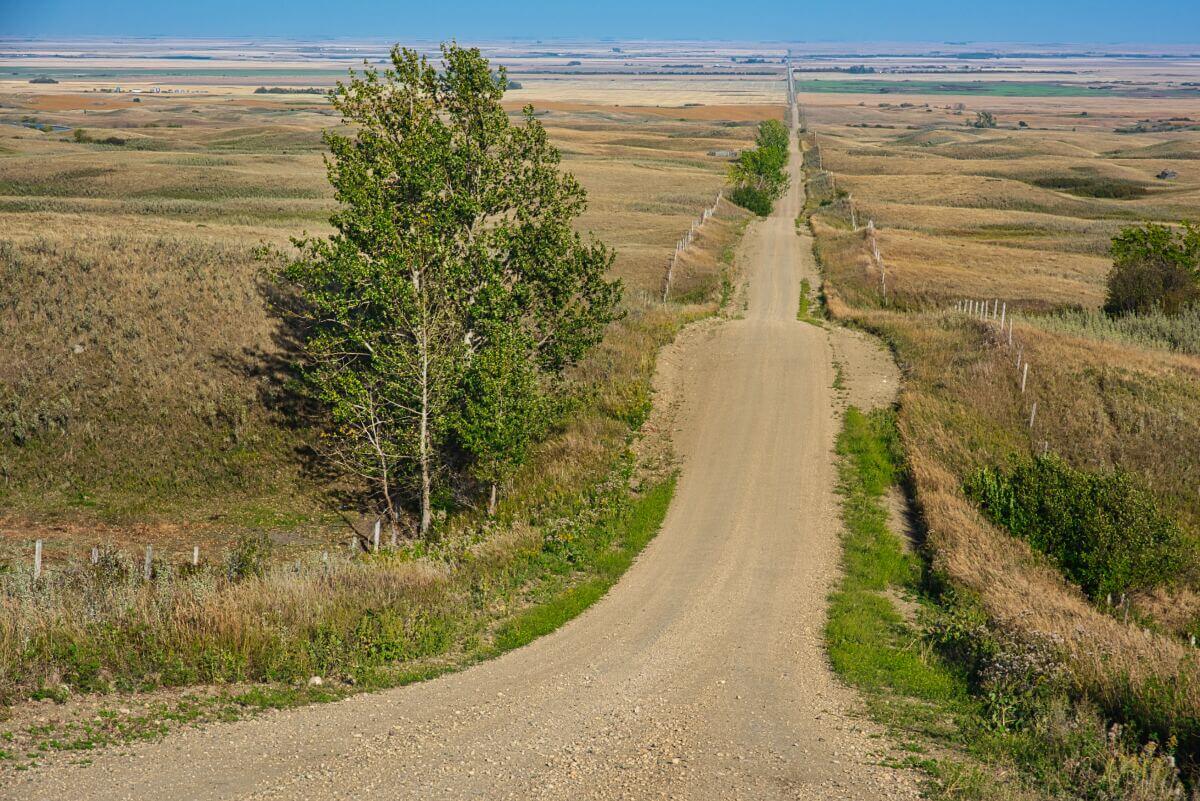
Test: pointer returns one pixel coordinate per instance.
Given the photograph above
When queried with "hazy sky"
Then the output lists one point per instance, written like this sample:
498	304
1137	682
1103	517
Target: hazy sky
1148	21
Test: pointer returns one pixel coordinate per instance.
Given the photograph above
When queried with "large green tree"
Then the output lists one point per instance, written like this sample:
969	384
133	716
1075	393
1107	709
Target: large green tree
453	246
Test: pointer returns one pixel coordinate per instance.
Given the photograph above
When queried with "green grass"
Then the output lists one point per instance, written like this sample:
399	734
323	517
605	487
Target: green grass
810	309
870	644
983	717
634	532
802	310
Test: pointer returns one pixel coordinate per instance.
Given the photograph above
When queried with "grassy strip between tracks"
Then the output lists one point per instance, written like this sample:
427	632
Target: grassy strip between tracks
980	714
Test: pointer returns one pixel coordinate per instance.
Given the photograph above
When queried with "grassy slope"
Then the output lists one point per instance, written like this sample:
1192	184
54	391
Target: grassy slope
142	380
1101	405
979	727
155	310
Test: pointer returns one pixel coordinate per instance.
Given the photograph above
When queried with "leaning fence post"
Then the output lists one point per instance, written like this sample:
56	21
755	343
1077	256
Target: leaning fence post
1032	414
1003	309
147	569
37	560
1024	377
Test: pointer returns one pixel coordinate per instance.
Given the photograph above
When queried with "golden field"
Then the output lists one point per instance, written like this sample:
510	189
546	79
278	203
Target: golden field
1023	216
143	391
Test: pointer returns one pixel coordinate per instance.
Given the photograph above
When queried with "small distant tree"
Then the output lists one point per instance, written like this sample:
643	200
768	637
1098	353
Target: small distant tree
758	175
1155	268
984	119
454	286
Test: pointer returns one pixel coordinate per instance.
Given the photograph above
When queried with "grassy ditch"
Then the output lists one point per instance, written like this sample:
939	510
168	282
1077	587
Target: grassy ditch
984	715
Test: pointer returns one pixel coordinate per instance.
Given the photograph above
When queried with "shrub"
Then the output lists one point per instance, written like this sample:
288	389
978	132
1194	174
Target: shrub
984	119
1154	267
1096	186
1102	530
756	200
249	557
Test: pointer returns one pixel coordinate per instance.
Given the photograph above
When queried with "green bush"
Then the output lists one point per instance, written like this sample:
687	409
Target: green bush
756	200
249	557
1102	530
1154	268
758	175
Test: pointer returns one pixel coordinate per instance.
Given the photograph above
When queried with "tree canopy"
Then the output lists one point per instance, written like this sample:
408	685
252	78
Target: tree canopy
758	175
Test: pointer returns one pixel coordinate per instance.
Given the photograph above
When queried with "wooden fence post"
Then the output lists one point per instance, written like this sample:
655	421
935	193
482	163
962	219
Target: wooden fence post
148	568
1032	414
195	555
37	560
1024	377
95	555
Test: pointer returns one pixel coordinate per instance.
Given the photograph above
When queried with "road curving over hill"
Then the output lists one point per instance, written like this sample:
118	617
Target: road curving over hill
701	675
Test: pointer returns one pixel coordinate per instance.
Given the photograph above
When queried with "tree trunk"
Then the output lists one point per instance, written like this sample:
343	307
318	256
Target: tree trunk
492	501
425	456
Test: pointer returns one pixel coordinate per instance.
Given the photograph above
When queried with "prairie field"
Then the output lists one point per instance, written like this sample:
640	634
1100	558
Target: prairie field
143	378
146	399
1021	216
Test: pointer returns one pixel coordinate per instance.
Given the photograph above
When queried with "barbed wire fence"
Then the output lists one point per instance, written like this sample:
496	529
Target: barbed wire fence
686	241
995	317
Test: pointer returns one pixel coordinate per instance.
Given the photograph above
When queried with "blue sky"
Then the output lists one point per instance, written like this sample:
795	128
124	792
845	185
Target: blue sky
1148	21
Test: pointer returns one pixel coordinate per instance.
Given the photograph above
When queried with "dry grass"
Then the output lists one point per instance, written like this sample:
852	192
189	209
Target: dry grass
142	373
960	216
144	398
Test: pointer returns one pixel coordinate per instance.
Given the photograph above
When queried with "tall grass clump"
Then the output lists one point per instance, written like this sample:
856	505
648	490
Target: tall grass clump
1154	329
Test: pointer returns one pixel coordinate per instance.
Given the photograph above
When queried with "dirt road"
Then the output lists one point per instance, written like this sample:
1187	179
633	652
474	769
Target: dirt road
700	676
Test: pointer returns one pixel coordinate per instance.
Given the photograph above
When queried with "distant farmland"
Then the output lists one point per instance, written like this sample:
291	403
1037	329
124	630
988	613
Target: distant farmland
992	88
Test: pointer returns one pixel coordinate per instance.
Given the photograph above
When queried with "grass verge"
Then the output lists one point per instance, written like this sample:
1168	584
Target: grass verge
985	716
567	582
